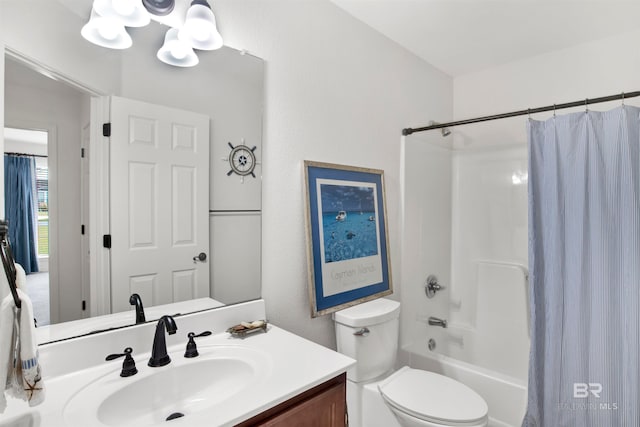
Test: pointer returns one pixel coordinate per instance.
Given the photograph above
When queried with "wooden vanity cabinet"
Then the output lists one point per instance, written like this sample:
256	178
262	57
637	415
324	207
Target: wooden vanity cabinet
322	406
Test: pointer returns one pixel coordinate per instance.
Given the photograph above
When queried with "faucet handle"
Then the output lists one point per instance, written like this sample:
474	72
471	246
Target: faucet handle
192	350
432	286
128	365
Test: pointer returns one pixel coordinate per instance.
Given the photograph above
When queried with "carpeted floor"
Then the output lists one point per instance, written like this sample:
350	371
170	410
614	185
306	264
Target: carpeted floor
38	291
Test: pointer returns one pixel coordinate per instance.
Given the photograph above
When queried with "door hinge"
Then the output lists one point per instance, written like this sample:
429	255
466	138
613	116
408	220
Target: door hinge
82	153
106	241
82	229
106	129
84	305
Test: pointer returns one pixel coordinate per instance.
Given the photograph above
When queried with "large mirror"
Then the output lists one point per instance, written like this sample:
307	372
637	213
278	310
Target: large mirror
57	94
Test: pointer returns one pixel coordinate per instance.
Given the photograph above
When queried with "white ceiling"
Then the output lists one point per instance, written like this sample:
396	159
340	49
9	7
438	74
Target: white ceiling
464	36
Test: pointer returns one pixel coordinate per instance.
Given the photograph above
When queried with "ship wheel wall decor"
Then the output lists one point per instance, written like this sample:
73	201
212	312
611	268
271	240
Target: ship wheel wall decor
242	160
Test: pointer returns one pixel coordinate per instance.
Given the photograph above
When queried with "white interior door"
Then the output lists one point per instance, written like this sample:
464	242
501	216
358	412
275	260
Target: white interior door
159	193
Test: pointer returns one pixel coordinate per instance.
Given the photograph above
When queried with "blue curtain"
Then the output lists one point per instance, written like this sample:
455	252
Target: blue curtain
584	260
20	209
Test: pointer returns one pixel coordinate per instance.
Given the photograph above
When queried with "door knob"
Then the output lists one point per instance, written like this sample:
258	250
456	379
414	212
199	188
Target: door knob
201	257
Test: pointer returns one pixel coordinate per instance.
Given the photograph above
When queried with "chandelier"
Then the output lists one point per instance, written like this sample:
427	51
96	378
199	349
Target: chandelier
198	30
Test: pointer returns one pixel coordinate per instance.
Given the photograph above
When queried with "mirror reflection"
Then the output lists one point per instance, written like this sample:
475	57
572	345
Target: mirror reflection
59	91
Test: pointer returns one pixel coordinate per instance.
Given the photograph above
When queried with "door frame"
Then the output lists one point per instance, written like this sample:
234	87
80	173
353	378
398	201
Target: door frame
99	219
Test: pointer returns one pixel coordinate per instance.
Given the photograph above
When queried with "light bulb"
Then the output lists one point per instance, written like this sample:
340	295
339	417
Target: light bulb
130	13
123	7
106	32
200	29
109	30
178	51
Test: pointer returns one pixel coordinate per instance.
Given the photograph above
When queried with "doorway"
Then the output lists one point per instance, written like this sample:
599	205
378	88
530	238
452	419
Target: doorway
36	102
26	151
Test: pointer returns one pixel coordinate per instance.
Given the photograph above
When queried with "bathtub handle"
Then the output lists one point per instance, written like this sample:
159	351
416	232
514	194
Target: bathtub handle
363	332
432	286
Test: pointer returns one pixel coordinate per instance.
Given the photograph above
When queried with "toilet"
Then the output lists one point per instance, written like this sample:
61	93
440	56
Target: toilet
379	397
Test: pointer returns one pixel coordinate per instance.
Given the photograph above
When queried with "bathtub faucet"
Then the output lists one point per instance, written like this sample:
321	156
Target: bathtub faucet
435	321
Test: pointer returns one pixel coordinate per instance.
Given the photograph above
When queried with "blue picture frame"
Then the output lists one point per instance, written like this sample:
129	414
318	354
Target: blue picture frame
347	237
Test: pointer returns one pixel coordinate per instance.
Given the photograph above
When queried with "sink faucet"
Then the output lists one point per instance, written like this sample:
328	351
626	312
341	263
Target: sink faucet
159	356
135	299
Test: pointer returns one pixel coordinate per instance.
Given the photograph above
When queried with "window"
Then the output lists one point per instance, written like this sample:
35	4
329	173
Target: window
42	191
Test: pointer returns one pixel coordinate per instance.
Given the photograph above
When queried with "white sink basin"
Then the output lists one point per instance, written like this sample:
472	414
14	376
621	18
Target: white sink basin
182	388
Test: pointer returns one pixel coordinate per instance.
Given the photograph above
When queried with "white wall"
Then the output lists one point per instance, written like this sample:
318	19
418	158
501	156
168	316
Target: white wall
336	91
600	68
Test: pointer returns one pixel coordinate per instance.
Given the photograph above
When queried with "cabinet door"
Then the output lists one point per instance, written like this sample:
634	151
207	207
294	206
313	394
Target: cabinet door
326	409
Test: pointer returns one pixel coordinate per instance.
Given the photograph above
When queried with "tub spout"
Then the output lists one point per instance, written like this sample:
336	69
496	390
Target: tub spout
435	321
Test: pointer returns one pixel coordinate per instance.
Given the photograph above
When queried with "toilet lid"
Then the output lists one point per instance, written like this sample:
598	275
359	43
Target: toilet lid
433	397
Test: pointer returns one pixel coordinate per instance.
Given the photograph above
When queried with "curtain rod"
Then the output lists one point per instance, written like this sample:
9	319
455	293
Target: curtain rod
585	102
25	154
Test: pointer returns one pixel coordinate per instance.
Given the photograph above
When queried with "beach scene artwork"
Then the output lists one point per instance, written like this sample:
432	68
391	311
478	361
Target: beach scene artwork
346	228
349	226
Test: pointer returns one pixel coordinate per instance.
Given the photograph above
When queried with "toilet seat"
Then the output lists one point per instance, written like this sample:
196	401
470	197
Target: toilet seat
434	398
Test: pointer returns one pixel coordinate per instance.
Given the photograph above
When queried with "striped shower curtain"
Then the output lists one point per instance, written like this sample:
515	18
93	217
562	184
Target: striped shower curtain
584	258
20	209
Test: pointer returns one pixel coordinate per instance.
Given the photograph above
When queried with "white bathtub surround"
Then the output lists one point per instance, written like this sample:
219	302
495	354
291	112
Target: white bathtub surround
292	365
465	221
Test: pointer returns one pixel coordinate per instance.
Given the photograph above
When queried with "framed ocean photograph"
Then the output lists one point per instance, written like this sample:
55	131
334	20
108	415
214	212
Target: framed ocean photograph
347	238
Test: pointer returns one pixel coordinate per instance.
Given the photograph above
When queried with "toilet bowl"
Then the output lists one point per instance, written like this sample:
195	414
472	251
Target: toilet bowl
425	399
379	397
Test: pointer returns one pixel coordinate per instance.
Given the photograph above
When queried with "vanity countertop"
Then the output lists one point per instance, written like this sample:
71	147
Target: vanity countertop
293	365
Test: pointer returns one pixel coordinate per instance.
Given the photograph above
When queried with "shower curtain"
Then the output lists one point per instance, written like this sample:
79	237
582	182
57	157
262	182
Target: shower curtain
20	211
584	259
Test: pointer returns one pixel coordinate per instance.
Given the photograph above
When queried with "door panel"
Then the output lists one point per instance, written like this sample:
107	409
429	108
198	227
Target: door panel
183	203
142	205
159	203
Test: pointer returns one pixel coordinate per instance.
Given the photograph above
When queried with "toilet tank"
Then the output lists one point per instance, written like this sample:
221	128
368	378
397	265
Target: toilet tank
375	351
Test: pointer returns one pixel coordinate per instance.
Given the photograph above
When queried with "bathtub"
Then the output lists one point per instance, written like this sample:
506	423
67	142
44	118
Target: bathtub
506	396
